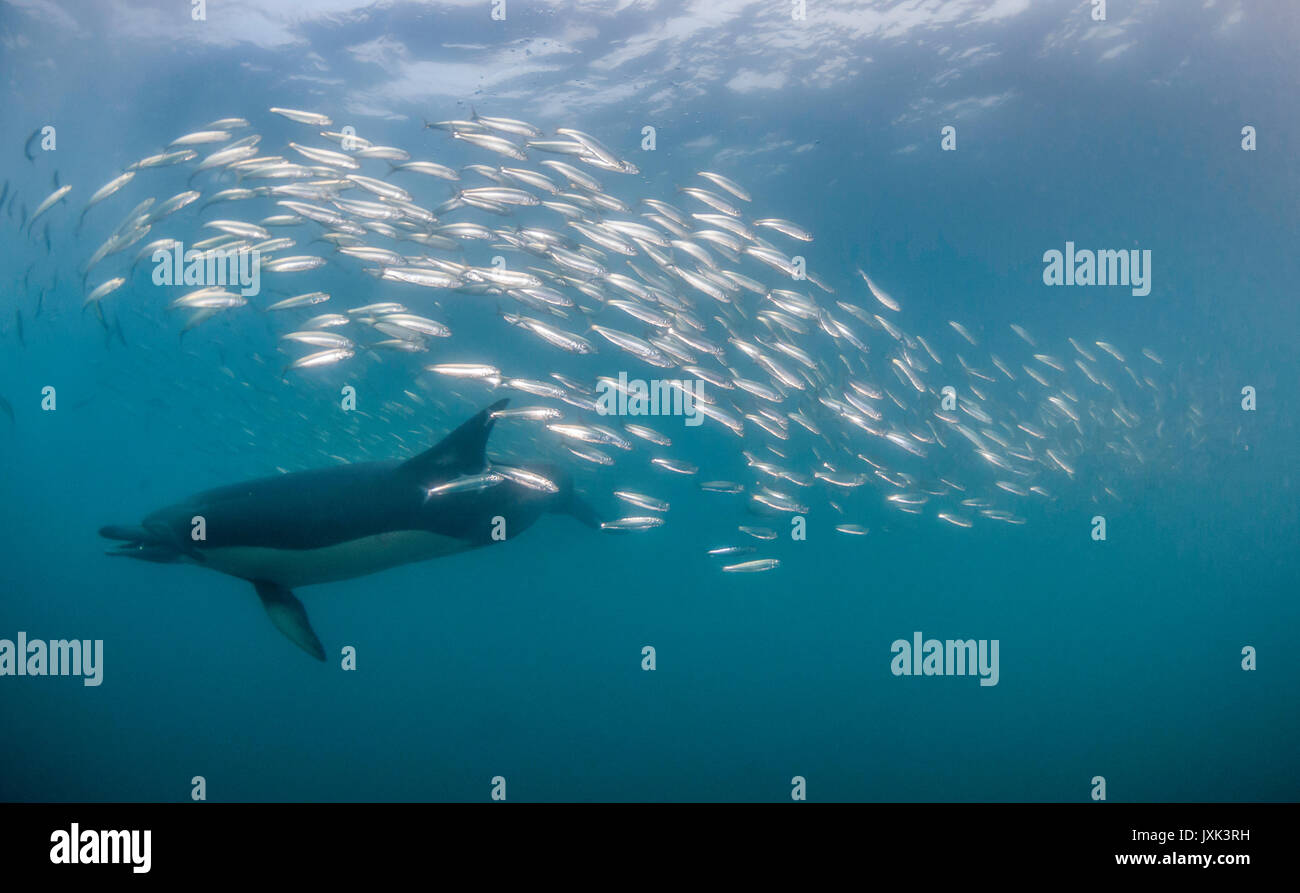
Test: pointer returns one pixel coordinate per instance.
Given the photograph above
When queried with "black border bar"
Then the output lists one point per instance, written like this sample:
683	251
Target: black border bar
331	842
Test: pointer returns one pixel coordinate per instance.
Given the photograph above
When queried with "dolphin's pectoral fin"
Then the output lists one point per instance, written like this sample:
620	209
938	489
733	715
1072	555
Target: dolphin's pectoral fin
463	451
289	616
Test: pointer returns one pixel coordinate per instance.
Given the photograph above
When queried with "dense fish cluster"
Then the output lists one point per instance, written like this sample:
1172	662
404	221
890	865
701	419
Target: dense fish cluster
833	407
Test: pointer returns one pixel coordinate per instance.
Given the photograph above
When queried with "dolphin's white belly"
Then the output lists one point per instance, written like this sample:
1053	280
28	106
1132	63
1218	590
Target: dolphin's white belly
354	558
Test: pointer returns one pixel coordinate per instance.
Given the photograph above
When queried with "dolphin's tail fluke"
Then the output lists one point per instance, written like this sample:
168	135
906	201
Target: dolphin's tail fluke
577	506
569	500
565	499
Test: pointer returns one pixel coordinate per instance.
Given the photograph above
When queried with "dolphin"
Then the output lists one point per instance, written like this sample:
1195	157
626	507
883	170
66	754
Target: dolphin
337	523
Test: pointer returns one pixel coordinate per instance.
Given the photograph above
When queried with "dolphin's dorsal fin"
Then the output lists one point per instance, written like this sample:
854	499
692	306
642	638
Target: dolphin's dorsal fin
289	616
463	451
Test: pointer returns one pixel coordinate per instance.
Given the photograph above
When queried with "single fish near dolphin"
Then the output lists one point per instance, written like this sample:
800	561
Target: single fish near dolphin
330	524
50	201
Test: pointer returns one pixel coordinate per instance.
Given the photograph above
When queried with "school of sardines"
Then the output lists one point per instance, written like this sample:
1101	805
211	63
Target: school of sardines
831	403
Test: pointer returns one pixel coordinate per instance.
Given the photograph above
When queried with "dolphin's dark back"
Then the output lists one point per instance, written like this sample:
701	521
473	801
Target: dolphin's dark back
325	507
300	510
338	523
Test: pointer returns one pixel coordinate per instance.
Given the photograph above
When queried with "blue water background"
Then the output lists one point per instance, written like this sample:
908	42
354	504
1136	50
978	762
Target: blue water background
1119	659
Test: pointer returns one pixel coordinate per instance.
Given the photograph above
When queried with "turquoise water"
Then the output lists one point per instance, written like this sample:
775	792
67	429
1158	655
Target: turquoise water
1120	659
